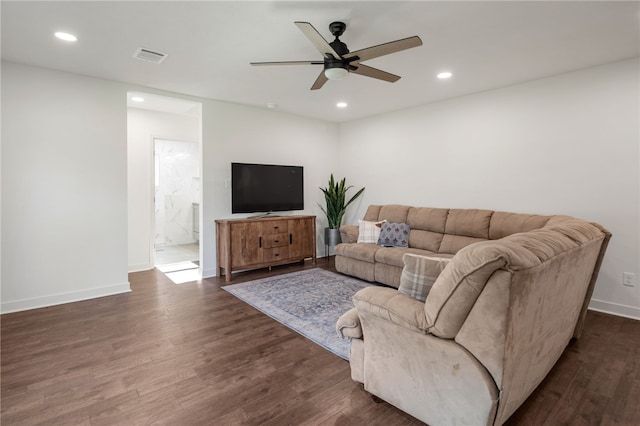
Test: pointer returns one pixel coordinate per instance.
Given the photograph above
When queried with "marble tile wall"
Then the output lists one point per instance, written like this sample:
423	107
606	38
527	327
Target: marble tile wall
177	186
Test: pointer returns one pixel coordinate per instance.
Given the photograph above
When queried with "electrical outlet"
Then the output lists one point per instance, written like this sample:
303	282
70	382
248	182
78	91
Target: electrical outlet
227	182
628	279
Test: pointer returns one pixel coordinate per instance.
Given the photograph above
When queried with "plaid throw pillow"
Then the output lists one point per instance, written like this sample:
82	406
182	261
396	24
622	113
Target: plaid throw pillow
394	235
419	274
369	232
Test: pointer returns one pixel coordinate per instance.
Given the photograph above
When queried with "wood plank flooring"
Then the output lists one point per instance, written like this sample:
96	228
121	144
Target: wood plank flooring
192	354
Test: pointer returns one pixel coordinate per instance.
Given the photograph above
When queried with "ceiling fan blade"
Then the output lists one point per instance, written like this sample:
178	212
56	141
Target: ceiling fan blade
375	73
384	49
318	41
320	81
288	63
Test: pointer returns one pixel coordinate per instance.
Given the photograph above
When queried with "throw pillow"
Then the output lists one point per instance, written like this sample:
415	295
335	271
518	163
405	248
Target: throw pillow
369	232
394	235
419	274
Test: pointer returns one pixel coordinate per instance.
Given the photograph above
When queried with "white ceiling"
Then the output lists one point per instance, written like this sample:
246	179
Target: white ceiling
210	44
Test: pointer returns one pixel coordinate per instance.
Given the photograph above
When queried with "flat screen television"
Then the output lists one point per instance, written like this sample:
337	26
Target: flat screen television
263	188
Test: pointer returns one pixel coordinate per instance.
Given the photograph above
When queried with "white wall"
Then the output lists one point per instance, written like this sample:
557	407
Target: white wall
568	144
142	127
64	210
64	180
236	133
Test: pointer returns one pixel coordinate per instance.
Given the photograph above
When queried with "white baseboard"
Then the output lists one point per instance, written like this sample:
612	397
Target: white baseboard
141	267
209	273
615	309
58	299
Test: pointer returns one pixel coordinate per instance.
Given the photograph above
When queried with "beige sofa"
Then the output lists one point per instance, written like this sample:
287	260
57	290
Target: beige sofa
494	323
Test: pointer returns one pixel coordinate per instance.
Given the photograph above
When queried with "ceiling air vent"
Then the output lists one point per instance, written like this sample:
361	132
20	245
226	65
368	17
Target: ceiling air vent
149	55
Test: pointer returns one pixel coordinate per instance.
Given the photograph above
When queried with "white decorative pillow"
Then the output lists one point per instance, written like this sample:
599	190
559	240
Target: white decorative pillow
369	232
419	274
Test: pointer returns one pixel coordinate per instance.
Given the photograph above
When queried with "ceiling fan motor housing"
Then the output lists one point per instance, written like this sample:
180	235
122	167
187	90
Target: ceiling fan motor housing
337	28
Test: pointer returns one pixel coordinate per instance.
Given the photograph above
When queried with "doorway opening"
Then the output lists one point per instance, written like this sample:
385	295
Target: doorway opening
176	208
164	155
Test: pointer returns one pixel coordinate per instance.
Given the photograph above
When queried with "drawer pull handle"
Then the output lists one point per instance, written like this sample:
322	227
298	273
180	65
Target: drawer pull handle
277	255
275	241
260	241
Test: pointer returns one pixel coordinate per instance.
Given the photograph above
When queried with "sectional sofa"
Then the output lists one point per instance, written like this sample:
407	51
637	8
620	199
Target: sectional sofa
497	317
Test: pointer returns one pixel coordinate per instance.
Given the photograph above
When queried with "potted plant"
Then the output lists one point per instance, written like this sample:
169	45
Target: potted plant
335	195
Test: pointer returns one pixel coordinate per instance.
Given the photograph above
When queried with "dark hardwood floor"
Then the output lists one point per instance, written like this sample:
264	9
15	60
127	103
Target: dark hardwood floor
192	354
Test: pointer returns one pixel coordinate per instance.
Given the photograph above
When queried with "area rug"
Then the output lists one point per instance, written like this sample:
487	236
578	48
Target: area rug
309	302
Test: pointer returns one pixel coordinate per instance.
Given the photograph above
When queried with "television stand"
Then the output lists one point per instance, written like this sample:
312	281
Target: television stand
253	243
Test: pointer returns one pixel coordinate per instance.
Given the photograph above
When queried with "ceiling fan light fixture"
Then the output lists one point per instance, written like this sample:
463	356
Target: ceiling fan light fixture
335	73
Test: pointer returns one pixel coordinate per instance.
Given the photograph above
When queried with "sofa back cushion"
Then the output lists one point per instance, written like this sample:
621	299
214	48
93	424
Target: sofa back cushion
456	289
372	214
464	227
503	224
427	227
394	213
428	219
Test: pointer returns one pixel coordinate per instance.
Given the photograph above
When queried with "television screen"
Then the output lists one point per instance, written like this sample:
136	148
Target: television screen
257	188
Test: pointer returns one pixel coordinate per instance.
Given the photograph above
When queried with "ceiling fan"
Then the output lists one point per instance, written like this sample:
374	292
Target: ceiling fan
339	62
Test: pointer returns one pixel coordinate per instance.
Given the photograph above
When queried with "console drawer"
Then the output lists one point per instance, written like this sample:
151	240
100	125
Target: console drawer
275	226
275	254
275	240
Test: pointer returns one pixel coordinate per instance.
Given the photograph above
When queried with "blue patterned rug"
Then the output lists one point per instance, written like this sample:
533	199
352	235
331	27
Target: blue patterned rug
309	302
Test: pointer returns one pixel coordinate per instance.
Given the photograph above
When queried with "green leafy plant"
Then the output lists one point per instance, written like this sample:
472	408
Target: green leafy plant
335	195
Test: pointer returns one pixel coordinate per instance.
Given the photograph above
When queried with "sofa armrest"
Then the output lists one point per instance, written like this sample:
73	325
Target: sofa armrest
348	325
393	306
349	233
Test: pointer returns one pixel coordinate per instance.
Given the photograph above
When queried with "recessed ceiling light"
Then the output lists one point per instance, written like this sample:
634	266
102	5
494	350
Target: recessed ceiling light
66	36
444	75
272	105
137	99
341	104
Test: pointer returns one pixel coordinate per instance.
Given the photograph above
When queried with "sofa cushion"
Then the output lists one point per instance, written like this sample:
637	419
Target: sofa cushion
428	219
362	251
454	243
419	274
530	249
503	224
393	255
455	291
368	232
391	305
372	214
425	240
394	213
394	235
349	233
468	223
